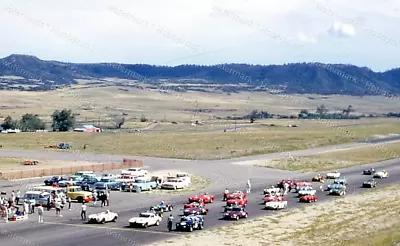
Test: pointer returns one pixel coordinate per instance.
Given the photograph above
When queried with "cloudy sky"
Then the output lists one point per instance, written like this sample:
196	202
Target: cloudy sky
172	32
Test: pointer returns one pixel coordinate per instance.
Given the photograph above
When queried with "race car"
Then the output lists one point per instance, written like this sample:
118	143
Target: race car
338	190
190	223
275	205
236	212
202	198
318	178
195	210
369	171
333	186
192	205
306	190
291	182
271	198
308	198
237	202
342	181
369	184
145	219
333	175
162	207
302	184
103	217
271	190
381	174
236	195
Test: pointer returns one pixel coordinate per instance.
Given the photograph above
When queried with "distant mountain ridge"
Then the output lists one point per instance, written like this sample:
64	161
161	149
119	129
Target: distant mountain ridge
301	78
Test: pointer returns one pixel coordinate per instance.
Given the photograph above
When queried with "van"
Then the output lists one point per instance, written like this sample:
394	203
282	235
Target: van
38	196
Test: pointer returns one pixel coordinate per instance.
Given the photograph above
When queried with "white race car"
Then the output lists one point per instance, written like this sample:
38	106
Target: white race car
306	191
276	205
103	217
271	190
381	174
333	175
145	220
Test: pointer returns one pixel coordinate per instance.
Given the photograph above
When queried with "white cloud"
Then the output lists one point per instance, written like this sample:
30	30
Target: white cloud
306	39
341	30
157	31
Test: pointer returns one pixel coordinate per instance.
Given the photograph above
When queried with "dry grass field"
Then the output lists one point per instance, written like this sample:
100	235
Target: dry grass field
11	163
337	159
371	218
94	103
215	145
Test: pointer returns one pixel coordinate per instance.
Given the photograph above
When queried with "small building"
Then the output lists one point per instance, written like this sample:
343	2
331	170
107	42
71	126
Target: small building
88	128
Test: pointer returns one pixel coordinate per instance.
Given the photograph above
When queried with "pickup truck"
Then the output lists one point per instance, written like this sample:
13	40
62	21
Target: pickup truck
76	193
141	185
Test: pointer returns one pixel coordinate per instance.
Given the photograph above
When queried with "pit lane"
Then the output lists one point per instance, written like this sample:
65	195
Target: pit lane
72	231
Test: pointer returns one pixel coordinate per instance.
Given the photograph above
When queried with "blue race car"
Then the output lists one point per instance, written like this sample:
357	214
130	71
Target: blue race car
162	207
54	180
191	222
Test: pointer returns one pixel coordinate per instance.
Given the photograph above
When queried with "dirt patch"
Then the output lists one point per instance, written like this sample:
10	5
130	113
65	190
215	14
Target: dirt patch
344	221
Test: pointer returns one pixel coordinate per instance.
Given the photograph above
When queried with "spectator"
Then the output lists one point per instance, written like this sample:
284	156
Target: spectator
17	197
83	213
48	204
33	204
69	203
40	213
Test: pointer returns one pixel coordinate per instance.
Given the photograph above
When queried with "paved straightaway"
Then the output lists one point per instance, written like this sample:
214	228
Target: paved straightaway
71	231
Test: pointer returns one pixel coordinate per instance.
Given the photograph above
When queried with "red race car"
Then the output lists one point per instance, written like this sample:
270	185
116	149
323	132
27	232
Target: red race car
202	198
236	202
308	198
192	205
291	182
274	198
236	195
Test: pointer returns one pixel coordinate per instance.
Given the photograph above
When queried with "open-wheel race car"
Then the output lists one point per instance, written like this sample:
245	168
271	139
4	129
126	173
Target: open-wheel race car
237	202
235	212
308	198
369	171
199	210
162	207
103	217
236	195
369	184
273	198
202	198
275	205
381	174
333	175
190	223
318	178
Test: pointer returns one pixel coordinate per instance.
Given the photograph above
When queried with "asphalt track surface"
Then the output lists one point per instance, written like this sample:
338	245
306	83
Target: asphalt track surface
70	230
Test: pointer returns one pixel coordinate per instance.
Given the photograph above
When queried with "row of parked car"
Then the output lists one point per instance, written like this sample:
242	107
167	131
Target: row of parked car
132	179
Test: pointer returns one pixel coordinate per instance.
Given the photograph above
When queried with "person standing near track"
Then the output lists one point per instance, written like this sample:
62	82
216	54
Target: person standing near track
40	213
83	212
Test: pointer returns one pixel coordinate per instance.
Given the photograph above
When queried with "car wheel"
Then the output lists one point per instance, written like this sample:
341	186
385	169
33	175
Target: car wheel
190	228
175	187
157	223
237	218
161	210
103	221
80	199
145	225
201	227
245	215
115	219
211	200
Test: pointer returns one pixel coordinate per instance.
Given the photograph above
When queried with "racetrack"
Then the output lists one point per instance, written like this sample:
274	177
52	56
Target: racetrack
70	230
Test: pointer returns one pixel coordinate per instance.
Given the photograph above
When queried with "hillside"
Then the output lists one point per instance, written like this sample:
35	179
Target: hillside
30	73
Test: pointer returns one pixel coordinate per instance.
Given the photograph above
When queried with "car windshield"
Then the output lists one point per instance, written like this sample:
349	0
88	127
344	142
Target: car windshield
236	209
78	189
105	180
144	215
